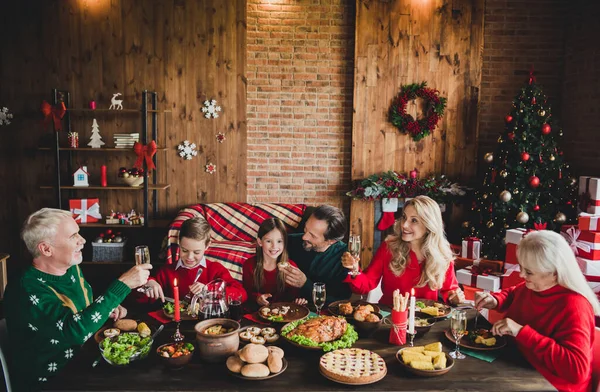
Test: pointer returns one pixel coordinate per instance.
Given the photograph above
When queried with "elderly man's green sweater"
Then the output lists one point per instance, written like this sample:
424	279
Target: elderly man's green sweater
49	317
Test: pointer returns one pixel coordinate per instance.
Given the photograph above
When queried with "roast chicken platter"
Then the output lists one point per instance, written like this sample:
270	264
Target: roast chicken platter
322	329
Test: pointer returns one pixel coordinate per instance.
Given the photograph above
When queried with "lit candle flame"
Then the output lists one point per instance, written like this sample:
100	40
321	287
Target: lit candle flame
175	283
412	292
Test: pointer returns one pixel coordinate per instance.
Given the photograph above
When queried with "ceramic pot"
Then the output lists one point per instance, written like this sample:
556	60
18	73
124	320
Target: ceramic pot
216	348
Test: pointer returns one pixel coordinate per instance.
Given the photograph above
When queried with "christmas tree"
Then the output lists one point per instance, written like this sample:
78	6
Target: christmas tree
527	183
96	139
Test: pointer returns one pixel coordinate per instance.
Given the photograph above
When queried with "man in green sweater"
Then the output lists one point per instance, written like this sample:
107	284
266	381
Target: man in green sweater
50	310
318	253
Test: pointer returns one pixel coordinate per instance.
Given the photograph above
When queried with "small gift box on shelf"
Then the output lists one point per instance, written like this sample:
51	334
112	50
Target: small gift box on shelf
494	265
476	277
589	222
589	194
584	243
85	210
471	248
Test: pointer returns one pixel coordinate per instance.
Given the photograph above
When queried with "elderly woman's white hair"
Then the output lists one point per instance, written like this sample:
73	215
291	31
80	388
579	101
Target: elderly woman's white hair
42	226
547	251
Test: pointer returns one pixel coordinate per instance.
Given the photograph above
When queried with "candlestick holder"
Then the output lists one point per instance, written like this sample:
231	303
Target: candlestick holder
412	338
178	336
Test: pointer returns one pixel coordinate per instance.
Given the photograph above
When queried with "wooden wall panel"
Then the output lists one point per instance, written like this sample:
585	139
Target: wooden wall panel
186	50
408	41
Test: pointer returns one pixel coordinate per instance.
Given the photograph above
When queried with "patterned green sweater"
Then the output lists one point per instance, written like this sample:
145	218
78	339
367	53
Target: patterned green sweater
48	319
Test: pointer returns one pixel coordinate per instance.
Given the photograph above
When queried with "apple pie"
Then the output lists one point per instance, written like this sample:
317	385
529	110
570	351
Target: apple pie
353	366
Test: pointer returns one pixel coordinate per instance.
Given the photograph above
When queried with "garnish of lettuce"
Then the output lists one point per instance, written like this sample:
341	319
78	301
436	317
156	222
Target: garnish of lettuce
345	341
275	318
420	304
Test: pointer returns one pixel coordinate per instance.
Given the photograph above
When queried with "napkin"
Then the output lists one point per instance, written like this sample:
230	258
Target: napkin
160	316
488	356
254	317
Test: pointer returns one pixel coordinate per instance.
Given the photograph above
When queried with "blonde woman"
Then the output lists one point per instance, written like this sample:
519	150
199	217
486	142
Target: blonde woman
416	256
551	314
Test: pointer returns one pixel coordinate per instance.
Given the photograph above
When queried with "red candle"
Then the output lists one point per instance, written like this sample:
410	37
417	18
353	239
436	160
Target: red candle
177	315
93	105
103	175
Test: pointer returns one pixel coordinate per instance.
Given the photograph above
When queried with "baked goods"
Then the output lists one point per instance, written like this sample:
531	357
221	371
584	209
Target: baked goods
275	363
234	364
363	311
246	336
283	265
256	361
254	353
321	329
483	337
126	325
372	318
254	330
429	357
255	370
276	350
345	308
353	365
271	338
111	332
437	346
259	335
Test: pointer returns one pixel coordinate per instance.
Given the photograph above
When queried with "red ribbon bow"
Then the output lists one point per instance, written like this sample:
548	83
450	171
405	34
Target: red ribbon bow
144	152
477	271
540	226
54	114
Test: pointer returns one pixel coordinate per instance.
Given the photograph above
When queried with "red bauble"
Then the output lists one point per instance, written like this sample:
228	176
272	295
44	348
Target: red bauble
534	181
533	101
546	129
536	207
413	174
508	118
511	135
525	156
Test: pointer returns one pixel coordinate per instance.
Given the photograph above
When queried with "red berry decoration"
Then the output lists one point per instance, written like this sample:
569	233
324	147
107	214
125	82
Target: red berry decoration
511	135
534	181
536	207
525	156
508	118
546	129
533	101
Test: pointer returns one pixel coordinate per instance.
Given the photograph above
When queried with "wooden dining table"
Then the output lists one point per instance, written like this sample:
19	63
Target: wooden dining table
509	372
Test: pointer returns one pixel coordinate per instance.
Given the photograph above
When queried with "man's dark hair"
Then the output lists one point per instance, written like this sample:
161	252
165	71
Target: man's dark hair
336	222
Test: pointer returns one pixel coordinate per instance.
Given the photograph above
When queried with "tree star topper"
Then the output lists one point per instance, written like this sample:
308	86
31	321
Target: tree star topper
211	109
187	150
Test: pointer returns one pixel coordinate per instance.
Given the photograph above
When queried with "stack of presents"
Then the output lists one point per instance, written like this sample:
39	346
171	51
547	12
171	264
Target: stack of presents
476	274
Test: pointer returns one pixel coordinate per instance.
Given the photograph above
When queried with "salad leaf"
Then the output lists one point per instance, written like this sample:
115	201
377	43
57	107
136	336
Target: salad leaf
169	307
125	348
275	318
420	304
345	341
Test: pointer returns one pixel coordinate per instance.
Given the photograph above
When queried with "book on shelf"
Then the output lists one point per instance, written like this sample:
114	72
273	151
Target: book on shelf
126	135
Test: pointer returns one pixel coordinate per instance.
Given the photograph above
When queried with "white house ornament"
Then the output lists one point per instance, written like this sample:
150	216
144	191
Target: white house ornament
210	168
5	116
220	137
211	109
80	177
96	139
187	150
115	103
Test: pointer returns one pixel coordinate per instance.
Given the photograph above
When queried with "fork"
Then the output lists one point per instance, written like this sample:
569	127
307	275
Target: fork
188	296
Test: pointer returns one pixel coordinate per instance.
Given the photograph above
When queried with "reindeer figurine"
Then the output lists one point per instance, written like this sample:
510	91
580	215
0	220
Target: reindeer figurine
116	103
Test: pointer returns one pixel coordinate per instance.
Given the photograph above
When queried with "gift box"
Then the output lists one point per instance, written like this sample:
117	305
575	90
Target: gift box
494	265
85	210
471	248
511	276
480	280
584	243
589	194
491	315
512	239
589	267
589	222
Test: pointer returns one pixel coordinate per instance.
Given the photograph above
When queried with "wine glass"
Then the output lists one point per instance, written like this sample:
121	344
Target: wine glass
458	326
354	249
319	295
142	256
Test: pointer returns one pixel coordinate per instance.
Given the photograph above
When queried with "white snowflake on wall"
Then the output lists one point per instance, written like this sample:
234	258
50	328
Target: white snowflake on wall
5	116
211	109
187	150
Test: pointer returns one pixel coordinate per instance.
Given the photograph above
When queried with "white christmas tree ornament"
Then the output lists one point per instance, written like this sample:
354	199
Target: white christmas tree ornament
211	109
96	139
116	103
187	150
5	116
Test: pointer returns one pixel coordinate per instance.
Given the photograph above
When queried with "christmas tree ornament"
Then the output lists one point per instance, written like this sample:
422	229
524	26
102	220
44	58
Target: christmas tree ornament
515	191
505	196
534	181
96	139
220	137
551	158
560	174
484	196
211	109
533	101
508	118
520	110
506	226
73	138
572	181
542	113
489	157
522	217
489	224
413	173
503	173
511	136
560	133
500	140
523	137
546	129
466	224
187	150
560	218
210	168
525	156
540	158
92	105
115	103
536	208
5	116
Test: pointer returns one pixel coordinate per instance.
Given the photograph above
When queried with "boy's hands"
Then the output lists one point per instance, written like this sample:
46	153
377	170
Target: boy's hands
196	288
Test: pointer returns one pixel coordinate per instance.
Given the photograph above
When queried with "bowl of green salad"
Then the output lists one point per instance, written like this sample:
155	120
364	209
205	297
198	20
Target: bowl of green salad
125	348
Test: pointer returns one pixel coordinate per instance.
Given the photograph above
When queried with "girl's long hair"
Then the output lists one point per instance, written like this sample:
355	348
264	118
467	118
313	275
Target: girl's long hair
259	271
434	247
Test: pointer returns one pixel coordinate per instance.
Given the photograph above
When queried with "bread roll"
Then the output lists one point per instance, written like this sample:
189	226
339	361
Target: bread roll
255	370
254	353
372	318
275	363
275	350
126	325
234	364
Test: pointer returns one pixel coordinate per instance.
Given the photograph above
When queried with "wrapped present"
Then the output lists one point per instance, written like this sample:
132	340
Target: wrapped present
85	210
479	278
589	267
494	265
589	222
511	276
471	248
584	243
589	194
491	315
512	239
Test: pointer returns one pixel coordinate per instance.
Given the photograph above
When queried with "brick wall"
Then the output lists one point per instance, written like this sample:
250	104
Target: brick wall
300	85
519	33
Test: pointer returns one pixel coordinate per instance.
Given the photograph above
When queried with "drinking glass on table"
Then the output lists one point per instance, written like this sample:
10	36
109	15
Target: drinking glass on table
319	294
354	249
458	326
142	256
234	301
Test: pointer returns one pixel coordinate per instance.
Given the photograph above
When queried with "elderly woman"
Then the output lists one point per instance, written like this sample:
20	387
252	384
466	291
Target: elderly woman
417	256
551	314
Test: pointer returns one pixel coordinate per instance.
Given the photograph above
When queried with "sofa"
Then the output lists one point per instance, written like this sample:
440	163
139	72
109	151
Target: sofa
234	229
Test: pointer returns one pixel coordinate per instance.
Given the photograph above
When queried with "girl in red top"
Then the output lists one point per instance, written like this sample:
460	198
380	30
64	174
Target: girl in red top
551	314
192	270
263	274
416	256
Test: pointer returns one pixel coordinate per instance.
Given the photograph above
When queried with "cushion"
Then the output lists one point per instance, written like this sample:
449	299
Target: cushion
231	254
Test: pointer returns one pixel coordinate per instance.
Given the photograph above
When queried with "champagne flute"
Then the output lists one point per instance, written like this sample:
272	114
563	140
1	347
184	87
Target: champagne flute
458	326
319	295
354	249
142	256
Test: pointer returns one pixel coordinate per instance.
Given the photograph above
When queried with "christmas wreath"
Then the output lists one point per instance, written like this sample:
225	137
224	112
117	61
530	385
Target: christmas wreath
434	110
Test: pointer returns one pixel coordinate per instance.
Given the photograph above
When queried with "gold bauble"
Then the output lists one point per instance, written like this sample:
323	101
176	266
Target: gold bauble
542	112
484	196
506	225
489	157
522	217
466	224
505	196
500	140
524	137
516	191
520	110
490	224
572	181
560	218
503	173
552	158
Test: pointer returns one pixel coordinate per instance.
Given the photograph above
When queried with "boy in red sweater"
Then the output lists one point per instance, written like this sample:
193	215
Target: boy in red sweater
192	270
551	314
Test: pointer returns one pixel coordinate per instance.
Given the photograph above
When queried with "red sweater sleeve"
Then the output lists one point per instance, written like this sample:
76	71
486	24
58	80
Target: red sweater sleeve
505	297
217	270
248	278
370	277
450	282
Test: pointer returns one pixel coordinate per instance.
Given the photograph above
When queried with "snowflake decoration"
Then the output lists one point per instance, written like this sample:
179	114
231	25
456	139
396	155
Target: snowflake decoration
220	137
72	278
211	109
33	327
86	337
52	366
187	150
59	325
34	299
210	168
41	280
100	299
76	317
96	317
69	353
42	379
54	341
5	116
